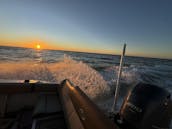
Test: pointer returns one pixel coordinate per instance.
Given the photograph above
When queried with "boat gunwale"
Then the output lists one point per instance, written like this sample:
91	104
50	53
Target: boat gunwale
13	88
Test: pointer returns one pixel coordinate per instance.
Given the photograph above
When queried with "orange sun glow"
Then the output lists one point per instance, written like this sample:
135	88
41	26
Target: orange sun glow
38	46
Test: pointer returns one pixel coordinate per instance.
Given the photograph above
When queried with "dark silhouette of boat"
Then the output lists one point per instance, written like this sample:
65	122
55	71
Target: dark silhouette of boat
41	105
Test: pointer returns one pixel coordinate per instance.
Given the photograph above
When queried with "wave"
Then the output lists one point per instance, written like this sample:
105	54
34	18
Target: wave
82	75
133	74
99	86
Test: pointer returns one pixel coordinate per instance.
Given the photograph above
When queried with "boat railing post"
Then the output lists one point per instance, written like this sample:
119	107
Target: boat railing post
118	80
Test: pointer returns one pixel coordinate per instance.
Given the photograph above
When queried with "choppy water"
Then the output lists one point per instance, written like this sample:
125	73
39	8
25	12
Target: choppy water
149	70
95	73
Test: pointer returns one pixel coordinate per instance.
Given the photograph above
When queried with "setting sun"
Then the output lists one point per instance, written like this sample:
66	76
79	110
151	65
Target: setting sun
38	46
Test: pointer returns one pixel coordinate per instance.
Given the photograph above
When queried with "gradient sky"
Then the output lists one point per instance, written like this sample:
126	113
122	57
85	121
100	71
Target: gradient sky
89	25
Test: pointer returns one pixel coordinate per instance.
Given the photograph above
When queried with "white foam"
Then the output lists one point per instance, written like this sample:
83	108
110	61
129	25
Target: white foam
88	79
129	75
94	84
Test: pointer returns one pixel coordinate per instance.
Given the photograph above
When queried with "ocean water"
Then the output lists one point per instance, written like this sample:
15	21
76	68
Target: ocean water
95	74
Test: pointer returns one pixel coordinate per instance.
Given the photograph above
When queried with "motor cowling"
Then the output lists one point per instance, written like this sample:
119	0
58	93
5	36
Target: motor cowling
147	107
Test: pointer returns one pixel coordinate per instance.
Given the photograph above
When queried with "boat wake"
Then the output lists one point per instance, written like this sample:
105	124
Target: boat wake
156	75
88	79
99	86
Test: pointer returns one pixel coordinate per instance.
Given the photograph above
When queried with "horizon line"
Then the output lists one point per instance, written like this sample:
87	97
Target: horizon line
89	52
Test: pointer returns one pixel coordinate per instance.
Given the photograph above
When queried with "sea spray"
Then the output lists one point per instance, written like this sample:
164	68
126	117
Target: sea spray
82	75
128	78
88	79
24	63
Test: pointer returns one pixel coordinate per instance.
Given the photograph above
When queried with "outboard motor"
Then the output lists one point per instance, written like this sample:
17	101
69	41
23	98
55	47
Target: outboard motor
147	107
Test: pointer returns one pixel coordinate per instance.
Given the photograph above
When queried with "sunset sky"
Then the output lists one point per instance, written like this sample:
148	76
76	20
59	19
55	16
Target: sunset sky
100	26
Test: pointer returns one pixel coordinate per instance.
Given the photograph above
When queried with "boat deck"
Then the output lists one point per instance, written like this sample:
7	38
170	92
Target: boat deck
49	106
41	111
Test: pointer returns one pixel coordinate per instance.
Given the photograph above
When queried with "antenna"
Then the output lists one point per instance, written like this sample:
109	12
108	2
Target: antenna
118	79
